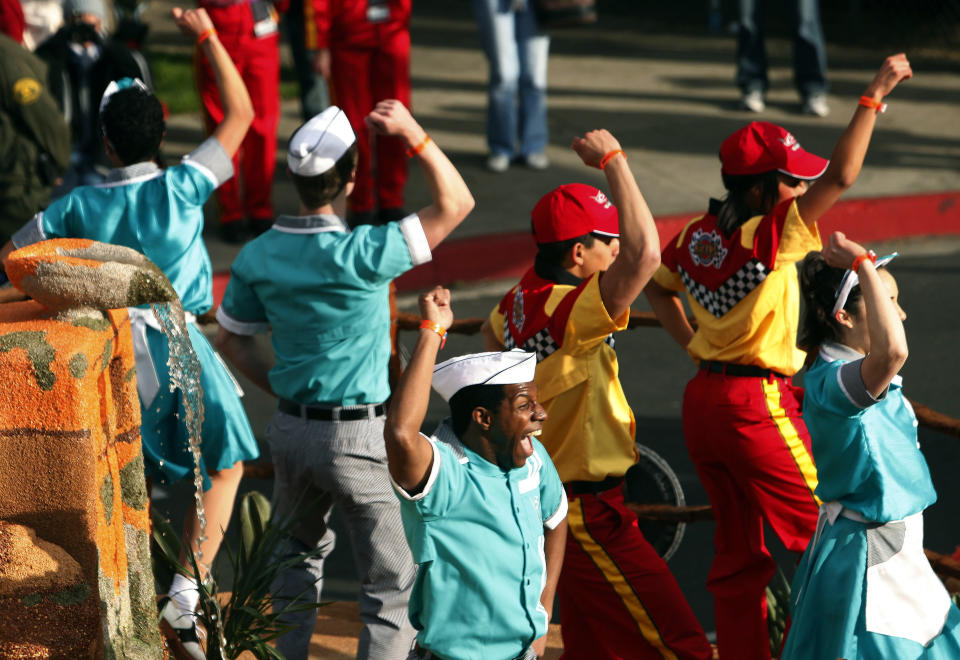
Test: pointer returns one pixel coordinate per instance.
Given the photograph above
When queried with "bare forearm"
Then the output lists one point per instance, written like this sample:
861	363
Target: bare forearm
639	241
888	341
408	453
238	110
554	542
244	353
452	201
669	310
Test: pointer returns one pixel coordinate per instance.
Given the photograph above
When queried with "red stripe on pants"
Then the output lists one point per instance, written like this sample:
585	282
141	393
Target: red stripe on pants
618	599
740	443
360	78
258	61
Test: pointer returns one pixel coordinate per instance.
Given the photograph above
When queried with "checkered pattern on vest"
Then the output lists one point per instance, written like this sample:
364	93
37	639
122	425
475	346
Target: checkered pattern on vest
542	343
735	289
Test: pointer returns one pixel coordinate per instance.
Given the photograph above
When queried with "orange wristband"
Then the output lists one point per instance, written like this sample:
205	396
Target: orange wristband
610	155
435	327
871	255
873	104
413	151
206	34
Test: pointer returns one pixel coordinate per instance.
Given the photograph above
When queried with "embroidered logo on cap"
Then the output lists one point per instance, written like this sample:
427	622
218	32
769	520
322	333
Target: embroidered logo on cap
600	198
706	249
790	142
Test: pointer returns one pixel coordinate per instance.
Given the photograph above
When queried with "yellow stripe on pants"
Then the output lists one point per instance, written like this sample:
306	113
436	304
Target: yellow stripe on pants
611	572
802	458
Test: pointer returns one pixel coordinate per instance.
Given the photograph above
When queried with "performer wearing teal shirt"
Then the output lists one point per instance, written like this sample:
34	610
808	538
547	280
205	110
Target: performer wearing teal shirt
322	291
864	588
160	213
484	510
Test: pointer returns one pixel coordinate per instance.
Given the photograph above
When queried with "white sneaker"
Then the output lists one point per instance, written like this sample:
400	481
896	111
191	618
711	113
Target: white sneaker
753	101
498	163
184	629
816	104
537	161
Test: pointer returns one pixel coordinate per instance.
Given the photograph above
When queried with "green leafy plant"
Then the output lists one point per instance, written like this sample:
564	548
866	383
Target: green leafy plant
778	610
245	620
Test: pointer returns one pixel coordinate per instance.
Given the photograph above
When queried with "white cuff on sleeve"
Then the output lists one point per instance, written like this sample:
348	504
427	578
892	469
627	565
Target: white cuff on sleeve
31	232
240	327
416	239
434	471
559	514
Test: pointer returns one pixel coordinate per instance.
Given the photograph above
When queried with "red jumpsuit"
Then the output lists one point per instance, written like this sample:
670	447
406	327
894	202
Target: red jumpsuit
741	414
248	193
370	62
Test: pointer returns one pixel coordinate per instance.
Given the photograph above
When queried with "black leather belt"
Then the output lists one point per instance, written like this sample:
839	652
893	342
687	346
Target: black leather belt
592	487
733	369
336	414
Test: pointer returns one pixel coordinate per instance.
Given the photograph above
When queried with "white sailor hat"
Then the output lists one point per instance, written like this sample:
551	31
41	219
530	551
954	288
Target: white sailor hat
318	144
497	368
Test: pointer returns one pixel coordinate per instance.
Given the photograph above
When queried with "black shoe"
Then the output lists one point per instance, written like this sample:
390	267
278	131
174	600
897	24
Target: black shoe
357	218
392	215
234	233
260	225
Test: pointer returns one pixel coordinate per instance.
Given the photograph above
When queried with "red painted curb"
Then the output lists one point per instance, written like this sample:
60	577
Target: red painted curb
507	256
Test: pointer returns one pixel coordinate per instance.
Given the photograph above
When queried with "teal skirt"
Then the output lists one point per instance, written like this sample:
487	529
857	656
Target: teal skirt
829	603
226	436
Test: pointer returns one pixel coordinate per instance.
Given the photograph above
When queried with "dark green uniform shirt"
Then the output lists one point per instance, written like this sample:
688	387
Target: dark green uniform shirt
34	139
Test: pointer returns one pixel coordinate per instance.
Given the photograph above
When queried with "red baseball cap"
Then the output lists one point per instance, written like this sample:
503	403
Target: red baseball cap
12	22
573	210
762	147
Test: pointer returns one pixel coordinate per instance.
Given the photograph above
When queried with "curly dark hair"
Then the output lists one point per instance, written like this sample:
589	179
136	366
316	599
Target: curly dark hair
133	123
319	190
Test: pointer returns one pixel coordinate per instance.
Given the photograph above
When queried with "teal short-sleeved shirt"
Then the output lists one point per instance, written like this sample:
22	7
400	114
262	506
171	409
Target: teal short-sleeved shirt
866	449
158	212
476	534
323	292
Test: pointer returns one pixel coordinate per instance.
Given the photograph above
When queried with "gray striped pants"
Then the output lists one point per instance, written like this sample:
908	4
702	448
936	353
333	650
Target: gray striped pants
322	464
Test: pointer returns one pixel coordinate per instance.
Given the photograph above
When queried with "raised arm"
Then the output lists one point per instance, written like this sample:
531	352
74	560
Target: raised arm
409	454
639	242
847	157
452	200
884	317
237	107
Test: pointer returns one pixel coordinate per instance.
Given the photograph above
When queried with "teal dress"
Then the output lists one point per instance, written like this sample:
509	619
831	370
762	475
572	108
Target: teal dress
864	588
159	212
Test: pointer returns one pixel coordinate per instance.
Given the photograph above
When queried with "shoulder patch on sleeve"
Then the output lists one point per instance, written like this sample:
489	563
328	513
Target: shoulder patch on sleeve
26	91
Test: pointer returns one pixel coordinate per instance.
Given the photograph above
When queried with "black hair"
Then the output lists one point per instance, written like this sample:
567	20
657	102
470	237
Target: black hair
133	124
463	403
321	189
735	210
555	253
819	283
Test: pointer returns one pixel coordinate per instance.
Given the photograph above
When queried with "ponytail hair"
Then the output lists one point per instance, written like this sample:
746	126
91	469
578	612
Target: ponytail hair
819	283
735	209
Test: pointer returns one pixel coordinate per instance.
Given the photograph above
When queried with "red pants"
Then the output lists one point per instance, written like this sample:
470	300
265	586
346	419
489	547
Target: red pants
618	599
751	449
258	61
361	77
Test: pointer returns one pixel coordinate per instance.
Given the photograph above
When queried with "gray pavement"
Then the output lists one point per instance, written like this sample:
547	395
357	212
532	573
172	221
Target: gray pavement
669	96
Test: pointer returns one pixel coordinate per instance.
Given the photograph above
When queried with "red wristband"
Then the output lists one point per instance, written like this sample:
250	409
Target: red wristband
206	34
413	151
435	327
870	254
610	155
873	104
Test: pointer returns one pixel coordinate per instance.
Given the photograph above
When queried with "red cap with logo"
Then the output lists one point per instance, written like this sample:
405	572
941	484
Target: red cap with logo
762	147
573	210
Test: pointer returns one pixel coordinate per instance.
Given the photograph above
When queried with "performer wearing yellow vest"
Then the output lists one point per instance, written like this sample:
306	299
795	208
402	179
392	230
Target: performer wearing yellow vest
618	599
741	413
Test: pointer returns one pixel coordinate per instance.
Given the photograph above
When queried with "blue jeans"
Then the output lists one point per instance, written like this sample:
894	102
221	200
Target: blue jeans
516	50
809	51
